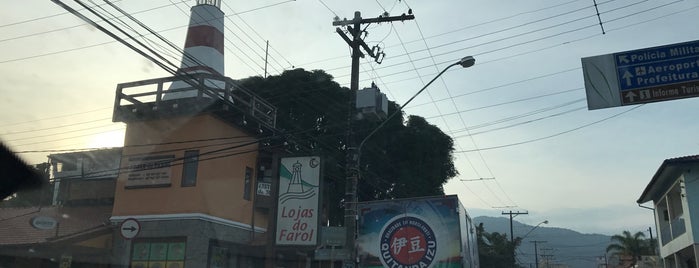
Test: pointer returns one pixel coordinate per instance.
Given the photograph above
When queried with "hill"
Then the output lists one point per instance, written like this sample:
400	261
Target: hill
564	246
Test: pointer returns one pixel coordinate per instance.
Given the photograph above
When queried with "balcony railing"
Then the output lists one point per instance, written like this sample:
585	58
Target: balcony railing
205	92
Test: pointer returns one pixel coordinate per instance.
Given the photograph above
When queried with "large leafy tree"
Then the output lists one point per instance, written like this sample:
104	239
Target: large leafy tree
400	160
495	250
630	246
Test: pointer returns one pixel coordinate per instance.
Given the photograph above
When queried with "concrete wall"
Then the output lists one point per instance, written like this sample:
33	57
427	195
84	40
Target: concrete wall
198	234
219	186
691	183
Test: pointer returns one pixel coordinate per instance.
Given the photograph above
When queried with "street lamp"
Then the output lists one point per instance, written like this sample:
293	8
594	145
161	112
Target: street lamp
533	228
465	62
536	243
350	220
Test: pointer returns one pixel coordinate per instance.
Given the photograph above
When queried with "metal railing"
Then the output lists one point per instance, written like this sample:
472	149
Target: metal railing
150	95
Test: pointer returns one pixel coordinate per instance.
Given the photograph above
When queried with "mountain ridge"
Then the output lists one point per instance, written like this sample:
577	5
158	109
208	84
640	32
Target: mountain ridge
565	246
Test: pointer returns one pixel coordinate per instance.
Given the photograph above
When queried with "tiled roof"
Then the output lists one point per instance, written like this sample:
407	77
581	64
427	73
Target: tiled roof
683	158
654	182
16	227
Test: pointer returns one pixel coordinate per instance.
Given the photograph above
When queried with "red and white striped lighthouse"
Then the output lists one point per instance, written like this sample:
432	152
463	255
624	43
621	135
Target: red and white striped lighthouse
204	46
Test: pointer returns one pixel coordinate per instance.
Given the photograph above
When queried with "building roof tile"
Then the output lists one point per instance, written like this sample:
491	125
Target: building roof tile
16	223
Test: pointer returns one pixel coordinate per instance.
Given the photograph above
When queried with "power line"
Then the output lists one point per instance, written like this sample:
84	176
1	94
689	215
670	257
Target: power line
328	8
518	116
463	122
55	127
456	30
513	36
54	117
260	36
41	18
559	133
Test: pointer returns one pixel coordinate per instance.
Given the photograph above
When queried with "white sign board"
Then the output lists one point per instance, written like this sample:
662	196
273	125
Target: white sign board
150	171
44	222
264	188
297	207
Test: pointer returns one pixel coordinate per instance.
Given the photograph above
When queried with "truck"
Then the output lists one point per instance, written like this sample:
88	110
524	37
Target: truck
434	232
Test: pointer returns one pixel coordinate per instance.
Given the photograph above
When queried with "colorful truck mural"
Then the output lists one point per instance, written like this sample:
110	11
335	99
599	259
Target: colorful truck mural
432	232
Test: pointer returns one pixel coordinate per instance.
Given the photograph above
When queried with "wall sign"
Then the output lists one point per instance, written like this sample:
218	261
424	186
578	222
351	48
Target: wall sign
44	222
150	171
264	188
297	207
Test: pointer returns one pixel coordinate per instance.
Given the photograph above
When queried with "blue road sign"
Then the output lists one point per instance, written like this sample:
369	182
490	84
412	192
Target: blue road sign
642	76
658	73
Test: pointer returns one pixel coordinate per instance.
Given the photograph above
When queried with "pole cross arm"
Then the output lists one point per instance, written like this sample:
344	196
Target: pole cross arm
402	17
349	42
344	36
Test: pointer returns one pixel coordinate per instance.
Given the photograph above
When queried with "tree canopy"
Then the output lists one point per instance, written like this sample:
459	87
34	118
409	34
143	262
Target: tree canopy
495	250
401	160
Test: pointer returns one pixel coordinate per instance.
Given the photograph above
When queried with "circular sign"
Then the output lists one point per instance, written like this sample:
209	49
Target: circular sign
44	222
407	241
129	228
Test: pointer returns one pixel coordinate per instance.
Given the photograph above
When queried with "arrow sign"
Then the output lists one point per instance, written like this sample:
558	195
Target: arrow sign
129	228
643	75
627	75
623	59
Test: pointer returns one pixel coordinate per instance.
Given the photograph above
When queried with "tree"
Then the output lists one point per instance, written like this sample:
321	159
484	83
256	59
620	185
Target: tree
400	160
633	246
495	250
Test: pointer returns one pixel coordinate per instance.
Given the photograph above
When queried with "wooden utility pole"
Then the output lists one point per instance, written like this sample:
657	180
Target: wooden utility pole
536	252
512	233
352	173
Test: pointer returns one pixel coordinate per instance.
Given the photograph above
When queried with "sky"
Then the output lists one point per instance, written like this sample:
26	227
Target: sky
524	138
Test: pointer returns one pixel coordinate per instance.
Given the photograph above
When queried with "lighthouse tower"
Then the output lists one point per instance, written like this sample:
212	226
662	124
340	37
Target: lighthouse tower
203	48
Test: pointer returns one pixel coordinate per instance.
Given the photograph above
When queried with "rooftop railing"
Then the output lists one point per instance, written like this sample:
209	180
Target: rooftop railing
204	92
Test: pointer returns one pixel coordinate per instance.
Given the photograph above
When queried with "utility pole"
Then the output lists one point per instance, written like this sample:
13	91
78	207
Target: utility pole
548	258
352	172
512	234
266	55
652	244
536	252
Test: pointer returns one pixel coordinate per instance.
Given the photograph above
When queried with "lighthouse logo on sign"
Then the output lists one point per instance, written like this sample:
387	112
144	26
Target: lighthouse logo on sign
297	218
407	241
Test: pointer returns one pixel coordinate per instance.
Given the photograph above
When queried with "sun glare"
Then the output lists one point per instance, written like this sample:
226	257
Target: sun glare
113	138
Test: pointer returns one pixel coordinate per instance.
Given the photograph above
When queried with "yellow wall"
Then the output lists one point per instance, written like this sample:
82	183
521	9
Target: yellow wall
219	186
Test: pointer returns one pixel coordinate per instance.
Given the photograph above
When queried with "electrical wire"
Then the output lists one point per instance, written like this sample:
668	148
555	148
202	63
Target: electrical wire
559	133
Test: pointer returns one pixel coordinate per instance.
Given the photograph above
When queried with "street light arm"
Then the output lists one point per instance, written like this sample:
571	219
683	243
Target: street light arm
537	226
361	144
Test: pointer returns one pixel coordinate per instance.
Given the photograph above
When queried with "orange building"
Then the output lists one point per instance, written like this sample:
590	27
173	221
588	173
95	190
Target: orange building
196	151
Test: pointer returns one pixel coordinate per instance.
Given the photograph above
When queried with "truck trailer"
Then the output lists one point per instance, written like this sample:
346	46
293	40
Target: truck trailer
434	232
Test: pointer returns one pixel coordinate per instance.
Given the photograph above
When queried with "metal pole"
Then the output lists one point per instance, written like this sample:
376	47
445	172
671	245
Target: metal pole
536	252
266	55
536	255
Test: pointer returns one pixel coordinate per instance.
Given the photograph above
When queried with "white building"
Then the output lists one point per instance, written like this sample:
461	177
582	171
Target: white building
674	191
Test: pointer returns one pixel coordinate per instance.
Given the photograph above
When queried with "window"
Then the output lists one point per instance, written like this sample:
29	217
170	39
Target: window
247	188
189	168
66	166
154	253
